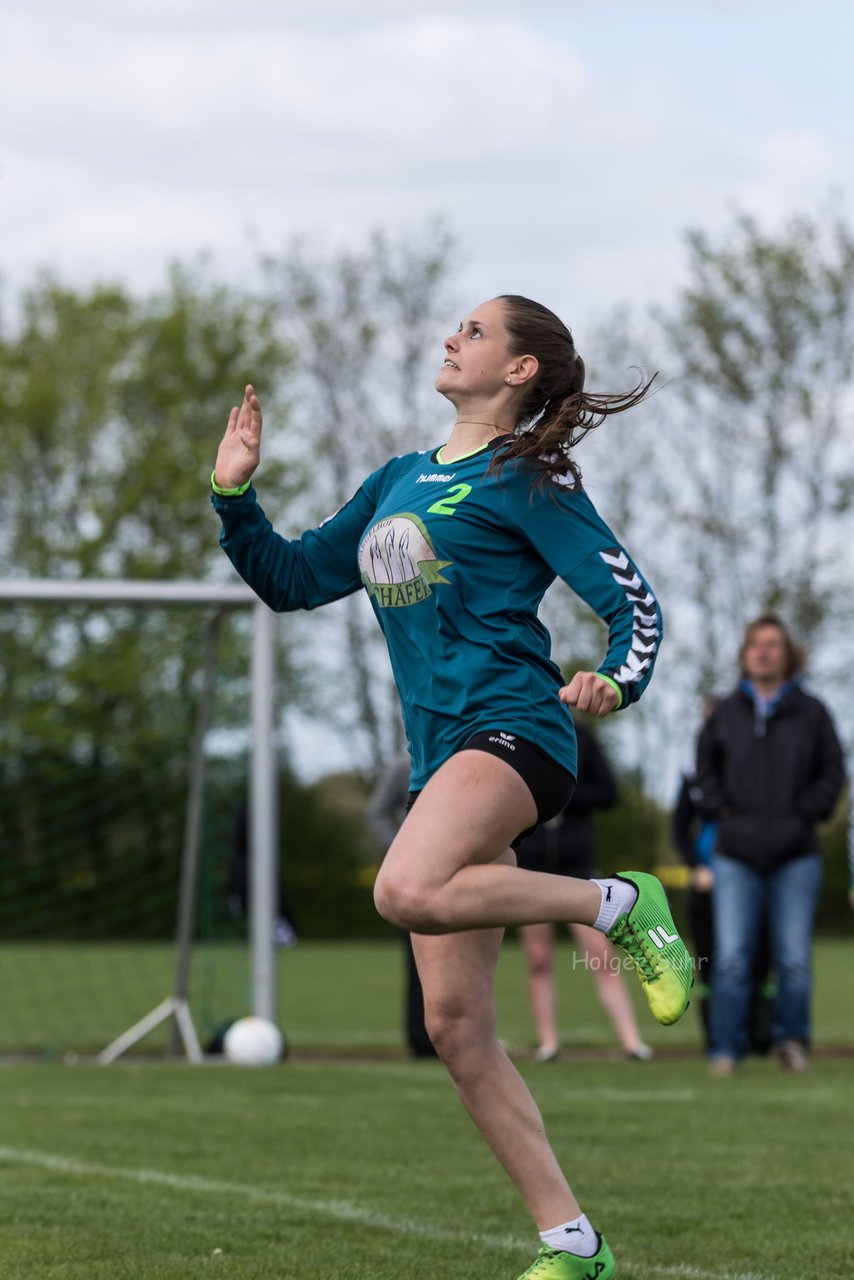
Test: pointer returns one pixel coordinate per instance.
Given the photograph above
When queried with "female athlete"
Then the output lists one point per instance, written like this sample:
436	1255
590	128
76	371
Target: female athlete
456	547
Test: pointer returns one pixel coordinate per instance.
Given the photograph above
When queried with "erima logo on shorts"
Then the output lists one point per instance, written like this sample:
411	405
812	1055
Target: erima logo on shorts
506	740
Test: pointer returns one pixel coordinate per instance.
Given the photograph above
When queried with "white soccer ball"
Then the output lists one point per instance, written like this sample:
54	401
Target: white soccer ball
253	1042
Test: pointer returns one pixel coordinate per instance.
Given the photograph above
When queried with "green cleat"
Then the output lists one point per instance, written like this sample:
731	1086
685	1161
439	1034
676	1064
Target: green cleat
649	937
554	1264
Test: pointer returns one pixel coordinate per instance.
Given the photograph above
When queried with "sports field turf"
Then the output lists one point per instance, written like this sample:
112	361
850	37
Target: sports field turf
365	1168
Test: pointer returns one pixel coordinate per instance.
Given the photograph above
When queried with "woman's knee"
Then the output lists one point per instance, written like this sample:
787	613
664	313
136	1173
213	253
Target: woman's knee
540	957
459	1035
406	904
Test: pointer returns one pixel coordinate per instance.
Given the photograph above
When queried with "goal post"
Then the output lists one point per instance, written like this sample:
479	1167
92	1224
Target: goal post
263	823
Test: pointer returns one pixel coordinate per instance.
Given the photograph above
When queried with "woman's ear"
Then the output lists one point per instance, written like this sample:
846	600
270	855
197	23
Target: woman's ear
523	371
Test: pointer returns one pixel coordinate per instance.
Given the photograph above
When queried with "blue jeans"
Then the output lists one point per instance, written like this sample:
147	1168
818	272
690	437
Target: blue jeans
742	895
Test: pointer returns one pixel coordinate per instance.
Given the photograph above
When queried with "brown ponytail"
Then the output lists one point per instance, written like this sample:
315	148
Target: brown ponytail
556	413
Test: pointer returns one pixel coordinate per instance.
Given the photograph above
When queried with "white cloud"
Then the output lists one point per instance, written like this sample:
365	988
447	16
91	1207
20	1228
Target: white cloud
131	139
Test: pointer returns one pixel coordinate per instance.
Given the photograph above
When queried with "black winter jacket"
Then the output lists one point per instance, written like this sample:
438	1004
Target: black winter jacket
768	790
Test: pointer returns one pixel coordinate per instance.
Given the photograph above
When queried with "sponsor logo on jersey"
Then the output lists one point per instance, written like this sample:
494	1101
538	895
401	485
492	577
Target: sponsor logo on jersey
438	476
398	564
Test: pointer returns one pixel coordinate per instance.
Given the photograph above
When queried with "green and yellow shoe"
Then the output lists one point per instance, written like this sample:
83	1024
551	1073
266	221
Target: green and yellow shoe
554	1264
649	937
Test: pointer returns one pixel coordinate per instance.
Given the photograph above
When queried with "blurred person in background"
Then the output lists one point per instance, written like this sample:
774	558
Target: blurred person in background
769	767
565	846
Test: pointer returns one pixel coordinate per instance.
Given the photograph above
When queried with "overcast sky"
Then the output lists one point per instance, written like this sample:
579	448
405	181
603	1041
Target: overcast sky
568	145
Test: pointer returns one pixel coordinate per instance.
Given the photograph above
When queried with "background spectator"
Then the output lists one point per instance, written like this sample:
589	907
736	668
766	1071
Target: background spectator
769	768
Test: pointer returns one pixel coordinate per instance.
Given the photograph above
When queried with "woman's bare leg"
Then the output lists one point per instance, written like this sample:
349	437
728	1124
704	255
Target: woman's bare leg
441	875
611	989
458	976
538	945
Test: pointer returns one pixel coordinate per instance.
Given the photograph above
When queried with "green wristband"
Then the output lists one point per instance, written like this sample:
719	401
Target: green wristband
601	676
228	493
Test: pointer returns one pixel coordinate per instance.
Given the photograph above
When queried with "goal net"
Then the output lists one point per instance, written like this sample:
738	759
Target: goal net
135	748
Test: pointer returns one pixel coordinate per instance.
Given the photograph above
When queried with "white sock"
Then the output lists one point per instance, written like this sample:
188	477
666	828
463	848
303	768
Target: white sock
573	1237
618	898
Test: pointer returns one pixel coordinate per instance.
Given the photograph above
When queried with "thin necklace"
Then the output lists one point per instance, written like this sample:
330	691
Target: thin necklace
474	422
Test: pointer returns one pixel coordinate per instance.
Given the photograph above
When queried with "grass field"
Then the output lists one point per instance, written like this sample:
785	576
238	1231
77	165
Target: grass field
345	997
364	1167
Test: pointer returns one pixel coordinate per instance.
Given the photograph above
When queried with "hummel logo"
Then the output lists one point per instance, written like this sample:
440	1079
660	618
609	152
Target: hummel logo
437	476
661	937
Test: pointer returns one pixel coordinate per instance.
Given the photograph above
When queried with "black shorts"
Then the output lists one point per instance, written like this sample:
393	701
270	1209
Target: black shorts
549	783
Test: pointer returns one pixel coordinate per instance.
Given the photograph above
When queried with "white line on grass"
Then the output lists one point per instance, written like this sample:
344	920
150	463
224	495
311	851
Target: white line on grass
340	1209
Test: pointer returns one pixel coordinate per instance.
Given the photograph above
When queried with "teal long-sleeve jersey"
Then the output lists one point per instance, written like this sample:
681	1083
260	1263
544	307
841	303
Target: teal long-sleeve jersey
456	560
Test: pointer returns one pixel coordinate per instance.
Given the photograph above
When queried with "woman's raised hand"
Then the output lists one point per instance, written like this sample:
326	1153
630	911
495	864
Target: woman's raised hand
588	692
240	449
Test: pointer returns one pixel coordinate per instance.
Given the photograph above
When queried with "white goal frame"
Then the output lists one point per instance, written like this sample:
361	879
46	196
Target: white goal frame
263	813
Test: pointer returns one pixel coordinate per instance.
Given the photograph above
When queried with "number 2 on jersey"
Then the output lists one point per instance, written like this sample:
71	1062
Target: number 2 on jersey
447	505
